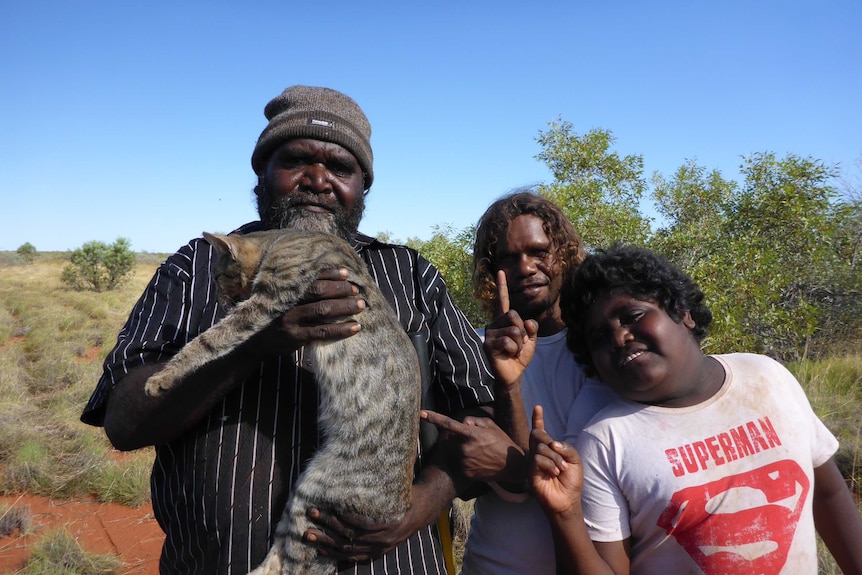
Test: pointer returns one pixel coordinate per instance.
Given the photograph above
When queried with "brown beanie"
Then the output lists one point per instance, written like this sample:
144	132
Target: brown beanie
316	113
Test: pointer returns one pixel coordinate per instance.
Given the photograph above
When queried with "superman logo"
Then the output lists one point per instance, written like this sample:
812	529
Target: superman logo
739	524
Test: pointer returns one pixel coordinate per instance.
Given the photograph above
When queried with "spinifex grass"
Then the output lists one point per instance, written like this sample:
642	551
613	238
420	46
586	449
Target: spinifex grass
58	553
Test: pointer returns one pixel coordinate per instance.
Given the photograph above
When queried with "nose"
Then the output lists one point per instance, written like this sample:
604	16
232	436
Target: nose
317	178
527	265
621	335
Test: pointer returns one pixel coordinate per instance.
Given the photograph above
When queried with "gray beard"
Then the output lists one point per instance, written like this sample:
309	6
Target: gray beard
283	214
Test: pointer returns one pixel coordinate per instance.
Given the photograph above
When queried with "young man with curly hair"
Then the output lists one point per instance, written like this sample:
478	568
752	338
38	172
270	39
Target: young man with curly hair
525	246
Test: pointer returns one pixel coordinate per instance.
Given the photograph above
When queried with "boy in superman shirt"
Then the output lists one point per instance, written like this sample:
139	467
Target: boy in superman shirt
705	464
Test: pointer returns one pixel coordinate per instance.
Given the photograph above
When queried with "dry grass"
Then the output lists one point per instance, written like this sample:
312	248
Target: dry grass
52	342
462	512
834	387
14	519
57	553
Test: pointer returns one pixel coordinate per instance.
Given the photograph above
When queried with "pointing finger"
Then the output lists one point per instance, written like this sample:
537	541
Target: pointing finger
538	435
502	293
538	418
444	422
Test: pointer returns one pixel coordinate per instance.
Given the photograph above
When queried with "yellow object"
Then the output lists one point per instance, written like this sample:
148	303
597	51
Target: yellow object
446	542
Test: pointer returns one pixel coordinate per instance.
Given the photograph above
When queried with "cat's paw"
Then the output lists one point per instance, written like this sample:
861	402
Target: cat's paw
153	386
272	565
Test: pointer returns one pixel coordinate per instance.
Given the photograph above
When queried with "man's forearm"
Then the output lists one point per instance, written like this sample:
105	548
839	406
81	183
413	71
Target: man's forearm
438	489
134	419
510	414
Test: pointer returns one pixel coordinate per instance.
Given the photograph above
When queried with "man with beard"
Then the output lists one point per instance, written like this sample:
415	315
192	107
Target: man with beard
232	439
524	248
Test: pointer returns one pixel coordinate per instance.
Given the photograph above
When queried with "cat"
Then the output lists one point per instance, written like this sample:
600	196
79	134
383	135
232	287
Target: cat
369	383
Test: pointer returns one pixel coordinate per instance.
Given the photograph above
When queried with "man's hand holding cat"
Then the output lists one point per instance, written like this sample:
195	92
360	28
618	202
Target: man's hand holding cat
322	315
355	538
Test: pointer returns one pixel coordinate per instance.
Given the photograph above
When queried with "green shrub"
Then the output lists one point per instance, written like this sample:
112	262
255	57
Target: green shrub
27	252
97	266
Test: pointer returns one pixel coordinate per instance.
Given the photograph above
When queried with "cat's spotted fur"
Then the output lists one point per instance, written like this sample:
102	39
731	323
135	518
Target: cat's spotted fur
369	384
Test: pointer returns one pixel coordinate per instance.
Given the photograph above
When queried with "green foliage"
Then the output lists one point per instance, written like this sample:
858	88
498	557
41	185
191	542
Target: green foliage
597	189
451	252
27	252
98	266
772	255
779	255
694	203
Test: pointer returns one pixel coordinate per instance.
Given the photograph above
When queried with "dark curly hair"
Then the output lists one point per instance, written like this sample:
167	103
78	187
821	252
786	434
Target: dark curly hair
637	272
566	244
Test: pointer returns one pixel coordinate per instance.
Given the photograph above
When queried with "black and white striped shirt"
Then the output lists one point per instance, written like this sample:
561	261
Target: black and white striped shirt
219	490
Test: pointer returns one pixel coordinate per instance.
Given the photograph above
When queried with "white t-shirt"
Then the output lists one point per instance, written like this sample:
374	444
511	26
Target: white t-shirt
721	487
515	538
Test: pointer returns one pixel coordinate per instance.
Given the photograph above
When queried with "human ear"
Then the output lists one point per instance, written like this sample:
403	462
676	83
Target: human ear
688	321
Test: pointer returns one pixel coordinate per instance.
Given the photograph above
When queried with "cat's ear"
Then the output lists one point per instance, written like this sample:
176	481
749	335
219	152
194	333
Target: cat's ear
221	243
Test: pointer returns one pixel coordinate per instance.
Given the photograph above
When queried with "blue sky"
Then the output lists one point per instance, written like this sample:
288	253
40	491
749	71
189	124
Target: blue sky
137	118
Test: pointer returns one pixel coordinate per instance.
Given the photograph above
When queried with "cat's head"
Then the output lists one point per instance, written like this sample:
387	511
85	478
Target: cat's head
235	267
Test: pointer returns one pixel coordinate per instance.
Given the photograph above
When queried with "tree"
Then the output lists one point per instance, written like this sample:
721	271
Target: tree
694	206
772	255
99	267
451	252
27	252
783	229
852	216
597	189
778	254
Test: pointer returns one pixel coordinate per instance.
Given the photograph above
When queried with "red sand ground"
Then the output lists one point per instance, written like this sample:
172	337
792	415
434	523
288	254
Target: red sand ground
131	533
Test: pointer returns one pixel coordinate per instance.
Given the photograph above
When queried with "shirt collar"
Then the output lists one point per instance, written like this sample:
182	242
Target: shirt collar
359	242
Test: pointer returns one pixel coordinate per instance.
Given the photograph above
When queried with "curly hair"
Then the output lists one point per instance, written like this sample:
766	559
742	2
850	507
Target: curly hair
566	244
634	271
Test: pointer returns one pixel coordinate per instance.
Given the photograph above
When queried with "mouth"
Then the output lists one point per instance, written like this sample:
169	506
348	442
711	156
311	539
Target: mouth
307	202
530	289
631	357
313	208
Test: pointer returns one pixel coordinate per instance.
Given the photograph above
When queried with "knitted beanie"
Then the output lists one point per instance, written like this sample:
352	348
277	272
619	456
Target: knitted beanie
316	113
